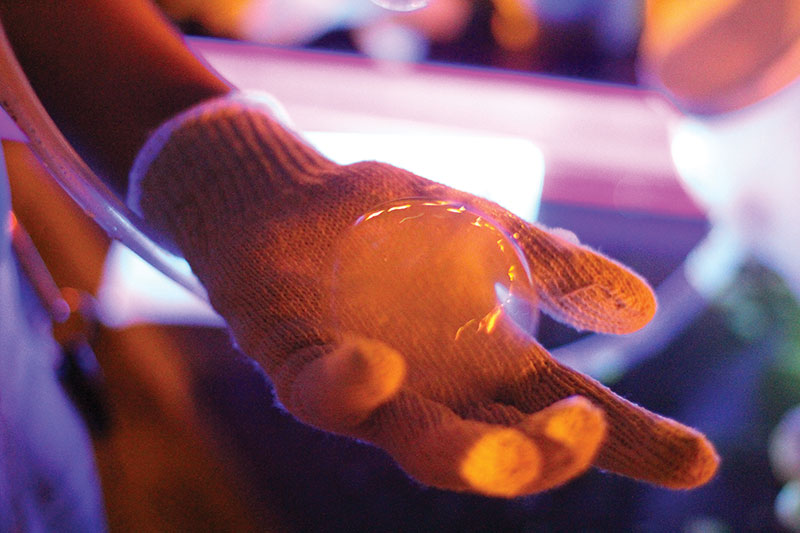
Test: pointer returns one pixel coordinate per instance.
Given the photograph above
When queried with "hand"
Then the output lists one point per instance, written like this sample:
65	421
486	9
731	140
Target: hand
256	213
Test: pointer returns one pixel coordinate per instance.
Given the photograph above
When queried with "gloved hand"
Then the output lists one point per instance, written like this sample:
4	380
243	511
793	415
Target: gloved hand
256	212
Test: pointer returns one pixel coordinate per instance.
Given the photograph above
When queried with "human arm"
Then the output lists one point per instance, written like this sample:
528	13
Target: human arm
256	211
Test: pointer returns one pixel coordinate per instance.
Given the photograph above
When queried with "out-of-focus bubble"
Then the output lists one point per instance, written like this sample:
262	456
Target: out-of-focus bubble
705	524
401	5
388	41
784	446
787	506
716	57
434	279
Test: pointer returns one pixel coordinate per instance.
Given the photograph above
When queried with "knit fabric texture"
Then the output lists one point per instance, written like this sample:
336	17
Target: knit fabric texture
257	212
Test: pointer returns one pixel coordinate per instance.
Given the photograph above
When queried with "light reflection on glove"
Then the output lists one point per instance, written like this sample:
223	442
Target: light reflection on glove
257	213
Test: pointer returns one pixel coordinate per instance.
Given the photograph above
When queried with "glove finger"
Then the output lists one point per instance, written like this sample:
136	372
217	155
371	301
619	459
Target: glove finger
639	443
336	387
355	389
568	435
584	288
439	448
575	284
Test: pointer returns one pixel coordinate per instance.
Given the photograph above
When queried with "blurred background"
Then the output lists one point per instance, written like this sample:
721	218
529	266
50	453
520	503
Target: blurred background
664	133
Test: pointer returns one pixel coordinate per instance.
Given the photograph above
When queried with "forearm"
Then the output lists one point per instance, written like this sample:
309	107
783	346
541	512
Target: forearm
107	72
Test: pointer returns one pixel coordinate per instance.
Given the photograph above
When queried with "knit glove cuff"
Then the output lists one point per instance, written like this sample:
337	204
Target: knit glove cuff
209	164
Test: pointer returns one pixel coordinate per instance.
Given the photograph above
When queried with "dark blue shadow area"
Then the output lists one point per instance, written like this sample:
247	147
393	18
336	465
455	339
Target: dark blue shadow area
708	377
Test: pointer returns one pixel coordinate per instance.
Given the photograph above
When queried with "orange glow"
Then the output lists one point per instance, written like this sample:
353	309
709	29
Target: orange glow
564	426
406	219
501	463
487	324
222	17
425	279
373	215
514	25
490	321
346	385
501	245
461	330
670	22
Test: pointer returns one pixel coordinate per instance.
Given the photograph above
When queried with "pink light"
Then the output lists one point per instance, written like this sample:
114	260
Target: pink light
605	146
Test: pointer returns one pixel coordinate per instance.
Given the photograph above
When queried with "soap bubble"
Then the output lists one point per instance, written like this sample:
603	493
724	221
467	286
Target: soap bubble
787	506
784	446
431	278
401	5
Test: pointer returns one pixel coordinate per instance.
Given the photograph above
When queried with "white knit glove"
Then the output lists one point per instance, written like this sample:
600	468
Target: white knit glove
256	211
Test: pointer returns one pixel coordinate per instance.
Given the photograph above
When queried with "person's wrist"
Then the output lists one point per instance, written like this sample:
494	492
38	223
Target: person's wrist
203	168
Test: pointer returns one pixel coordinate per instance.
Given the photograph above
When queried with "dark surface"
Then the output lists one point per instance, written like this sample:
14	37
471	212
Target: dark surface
709	377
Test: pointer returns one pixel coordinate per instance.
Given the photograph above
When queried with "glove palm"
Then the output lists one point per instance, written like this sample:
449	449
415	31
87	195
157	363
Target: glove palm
258	214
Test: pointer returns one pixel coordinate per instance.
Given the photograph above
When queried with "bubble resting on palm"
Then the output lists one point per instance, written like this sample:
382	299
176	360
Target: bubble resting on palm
406	360
435	280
